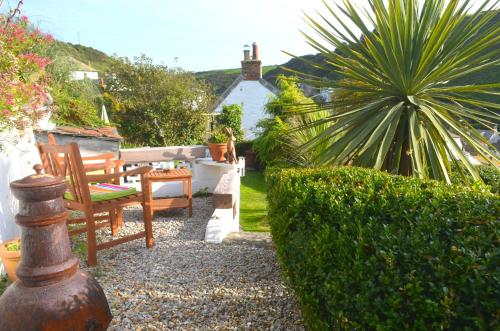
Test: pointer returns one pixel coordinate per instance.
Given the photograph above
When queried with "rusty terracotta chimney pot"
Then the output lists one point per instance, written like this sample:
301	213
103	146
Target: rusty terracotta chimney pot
255	51
51	292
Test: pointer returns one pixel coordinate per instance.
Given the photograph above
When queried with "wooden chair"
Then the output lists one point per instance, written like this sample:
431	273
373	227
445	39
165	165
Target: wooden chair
106	162
66	161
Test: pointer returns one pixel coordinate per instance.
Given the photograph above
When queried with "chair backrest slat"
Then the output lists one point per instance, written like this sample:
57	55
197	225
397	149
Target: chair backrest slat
66	161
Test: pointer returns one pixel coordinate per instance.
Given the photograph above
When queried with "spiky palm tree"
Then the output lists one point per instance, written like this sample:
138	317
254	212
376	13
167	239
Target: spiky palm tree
396	108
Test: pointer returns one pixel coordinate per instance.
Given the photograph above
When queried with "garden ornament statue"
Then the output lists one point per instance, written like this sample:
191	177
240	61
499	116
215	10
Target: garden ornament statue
51	292
231	149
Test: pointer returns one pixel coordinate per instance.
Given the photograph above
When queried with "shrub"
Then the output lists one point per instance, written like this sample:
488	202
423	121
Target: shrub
488	173
231	117
74	107
491	177
218	136
23	81
243	146
277	144
157	106
367	250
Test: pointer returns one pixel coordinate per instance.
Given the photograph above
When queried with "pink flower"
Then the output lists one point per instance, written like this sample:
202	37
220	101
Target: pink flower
49	38
40	61
9	101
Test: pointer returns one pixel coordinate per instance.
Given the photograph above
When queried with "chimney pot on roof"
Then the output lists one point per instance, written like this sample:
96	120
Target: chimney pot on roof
255	51
251	69
246	53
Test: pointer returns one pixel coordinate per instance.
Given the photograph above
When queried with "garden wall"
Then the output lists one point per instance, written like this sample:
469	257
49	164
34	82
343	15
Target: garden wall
366	250
16	162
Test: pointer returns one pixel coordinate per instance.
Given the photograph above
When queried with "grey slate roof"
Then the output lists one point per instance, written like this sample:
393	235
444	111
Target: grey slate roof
235	83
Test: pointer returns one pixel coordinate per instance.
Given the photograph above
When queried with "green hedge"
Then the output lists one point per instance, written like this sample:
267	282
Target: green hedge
491	177
366	250
488	173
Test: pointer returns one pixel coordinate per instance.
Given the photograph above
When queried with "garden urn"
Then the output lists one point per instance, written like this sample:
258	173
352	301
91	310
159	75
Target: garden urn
51	292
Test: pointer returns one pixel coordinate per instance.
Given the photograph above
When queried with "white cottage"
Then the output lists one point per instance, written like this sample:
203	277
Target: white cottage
249	90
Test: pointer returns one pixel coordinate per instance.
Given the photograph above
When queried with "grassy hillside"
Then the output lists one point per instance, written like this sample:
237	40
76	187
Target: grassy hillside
84	57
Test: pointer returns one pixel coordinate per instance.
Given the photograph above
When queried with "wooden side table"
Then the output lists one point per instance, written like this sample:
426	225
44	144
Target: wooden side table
172	175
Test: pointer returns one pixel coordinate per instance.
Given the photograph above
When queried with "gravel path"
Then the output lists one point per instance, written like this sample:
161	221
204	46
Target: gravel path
184	283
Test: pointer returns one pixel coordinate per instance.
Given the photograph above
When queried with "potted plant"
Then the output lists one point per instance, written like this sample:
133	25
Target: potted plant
217	144
10	253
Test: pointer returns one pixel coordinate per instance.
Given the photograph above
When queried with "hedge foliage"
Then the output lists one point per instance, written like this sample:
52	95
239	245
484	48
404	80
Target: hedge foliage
491	177
488	173
231	116
366	250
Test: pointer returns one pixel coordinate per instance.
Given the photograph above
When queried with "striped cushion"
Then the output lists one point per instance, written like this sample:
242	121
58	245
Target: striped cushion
105	191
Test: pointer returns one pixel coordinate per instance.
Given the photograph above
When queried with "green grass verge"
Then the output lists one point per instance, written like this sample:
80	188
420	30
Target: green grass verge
4	282
253	208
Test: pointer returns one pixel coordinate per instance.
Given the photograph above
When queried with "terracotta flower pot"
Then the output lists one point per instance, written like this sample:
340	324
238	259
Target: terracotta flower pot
10	259
217	151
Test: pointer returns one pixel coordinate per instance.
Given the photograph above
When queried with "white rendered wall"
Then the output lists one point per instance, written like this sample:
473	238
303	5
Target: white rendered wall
16	162
206	175
253	96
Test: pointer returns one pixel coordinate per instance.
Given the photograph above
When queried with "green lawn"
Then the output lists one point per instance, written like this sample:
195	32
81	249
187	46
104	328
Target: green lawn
253	208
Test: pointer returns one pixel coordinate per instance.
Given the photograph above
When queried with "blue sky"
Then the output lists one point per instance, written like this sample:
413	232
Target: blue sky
202	34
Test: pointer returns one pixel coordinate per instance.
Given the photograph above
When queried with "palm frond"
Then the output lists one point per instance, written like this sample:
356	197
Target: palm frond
395	109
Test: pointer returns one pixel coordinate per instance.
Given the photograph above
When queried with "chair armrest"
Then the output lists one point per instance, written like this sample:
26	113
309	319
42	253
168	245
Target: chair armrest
118	163
103	178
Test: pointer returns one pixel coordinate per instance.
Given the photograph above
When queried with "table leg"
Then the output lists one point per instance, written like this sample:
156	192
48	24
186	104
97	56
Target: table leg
190	197
148	212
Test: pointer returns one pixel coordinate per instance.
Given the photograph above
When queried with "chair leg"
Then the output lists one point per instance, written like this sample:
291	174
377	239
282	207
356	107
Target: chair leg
113	222
148	225
91	238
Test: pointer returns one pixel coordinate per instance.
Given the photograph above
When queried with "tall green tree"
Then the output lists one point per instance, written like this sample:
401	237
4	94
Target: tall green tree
395	108
157	106
277	143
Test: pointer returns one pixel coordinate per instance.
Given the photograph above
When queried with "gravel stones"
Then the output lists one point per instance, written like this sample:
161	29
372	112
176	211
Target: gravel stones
184	283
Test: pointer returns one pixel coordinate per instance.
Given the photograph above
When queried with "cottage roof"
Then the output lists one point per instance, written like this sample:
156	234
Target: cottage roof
106	133
235	83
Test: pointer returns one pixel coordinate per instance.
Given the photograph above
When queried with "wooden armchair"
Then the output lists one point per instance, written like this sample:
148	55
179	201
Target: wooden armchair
107	163
66	161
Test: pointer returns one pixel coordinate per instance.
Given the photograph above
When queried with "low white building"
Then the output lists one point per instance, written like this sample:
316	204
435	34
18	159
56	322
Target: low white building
250	91
81	75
